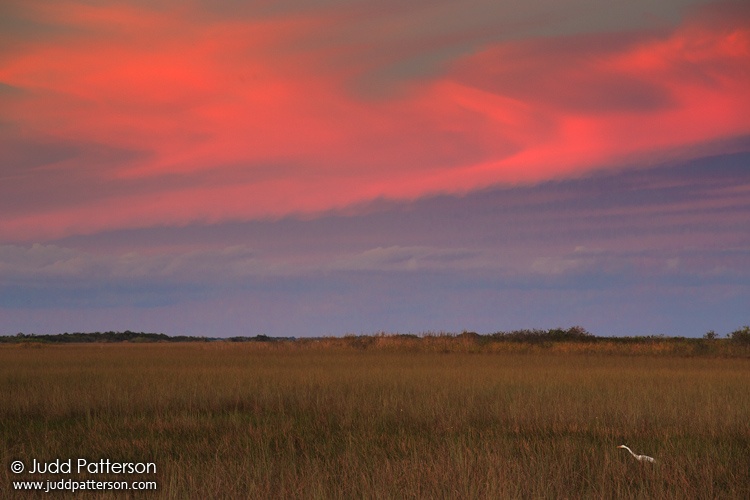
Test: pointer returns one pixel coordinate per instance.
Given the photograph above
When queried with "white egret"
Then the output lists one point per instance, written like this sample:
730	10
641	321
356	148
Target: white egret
640	458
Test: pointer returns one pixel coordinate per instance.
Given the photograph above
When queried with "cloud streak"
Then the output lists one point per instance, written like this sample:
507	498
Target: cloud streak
657	250
661	220
144	117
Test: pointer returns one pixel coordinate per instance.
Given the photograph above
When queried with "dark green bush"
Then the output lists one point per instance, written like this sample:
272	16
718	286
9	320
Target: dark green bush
741	335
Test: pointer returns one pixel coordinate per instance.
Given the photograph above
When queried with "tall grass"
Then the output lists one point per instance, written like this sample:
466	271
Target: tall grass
330	421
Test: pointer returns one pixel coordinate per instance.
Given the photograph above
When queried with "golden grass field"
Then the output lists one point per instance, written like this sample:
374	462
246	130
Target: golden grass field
331	419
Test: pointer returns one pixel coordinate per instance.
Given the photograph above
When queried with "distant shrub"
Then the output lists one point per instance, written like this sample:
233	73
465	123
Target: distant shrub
359	341
710	335
574	333
741	336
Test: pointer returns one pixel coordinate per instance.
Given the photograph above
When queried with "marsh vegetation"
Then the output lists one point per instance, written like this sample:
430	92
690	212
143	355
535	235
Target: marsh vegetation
392	419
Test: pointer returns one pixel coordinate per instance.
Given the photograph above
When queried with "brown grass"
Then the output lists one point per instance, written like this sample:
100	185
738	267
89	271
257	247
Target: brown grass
393	419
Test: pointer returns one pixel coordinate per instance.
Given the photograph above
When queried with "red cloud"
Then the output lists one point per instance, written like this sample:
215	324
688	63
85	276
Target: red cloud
624	99
226	120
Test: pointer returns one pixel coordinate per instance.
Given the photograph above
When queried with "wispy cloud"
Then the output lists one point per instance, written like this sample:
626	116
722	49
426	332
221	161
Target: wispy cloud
145	116
47	263
398	258
683	222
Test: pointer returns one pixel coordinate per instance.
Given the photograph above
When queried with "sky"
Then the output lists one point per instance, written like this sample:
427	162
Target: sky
329	167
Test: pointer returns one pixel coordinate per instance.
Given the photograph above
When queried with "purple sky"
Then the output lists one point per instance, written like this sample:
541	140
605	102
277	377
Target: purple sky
328	167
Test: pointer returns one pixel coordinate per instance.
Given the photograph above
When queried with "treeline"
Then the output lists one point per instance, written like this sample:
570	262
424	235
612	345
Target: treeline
575	334
579	334
126	336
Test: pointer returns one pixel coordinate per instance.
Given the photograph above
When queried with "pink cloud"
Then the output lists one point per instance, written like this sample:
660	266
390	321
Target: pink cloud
243	119
645	96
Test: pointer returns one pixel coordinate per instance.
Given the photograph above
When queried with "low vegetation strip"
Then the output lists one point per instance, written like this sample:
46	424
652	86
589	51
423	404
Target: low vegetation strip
312	420
571	340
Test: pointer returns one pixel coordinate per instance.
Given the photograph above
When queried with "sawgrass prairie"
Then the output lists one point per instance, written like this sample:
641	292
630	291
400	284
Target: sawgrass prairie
336	419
